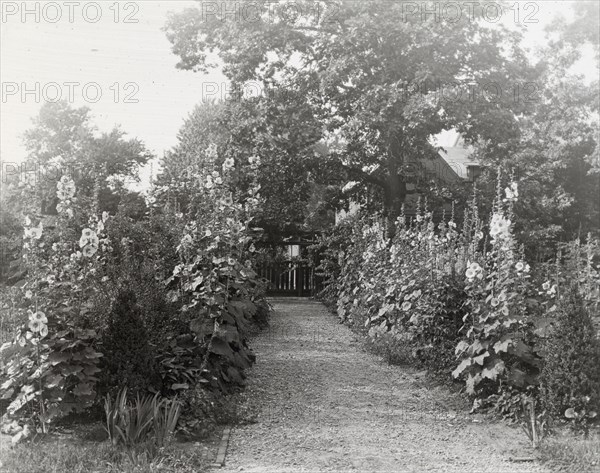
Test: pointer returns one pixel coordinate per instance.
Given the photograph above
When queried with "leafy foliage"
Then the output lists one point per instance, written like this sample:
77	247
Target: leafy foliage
128	359
62	144
167	299
570	383
218	294
434	291
146	419
357	68
254	132
556	154
50	369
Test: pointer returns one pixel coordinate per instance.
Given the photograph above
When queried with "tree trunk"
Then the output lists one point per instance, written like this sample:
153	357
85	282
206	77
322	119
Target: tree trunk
395	191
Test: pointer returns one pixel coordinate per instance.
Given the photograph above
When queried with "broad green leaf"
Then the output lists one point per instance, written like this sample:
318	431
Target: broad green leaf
202	326
83	389
222	348
461	347
494	370
472	382
481	358
178	386
502	345
464	364
58	357
53	380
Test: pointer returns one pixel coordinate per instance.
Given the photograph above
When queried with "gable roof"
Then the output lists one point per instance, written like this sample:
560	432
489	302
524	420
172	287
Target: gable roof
456	154
451	163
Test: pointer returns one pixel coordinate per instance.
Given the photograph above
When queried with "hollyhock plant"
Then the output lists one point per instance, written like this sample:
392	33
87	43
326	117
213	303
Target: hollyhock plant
58	284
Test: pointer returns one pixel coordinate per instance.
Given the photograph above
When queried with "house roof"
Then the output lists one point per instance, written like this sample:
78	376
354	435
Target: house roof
451	163
456	154
458	159
437	166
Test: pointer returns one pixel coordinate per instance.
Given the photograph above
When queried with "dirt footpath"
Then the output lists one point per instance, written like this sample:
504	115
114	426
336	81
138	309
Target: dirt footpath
325	405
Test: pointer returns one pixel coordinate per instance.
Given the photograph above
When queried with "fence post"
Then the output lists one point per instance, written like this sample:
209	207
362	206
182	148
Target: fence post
300	279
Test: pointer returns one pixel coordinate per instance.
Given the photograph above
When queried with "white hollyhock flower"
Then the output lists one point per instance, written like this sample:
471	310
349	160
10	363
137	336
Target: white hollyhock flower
228	164
88	236
520	266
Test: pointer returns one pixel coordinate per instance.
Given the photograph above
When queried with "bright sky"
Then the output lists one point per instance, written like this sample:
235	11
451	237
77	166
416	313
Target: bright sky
114	54
152	108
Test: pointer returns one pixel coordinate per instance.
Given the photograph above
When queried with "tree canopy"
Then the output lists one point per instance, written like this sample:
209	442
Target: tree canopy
380	81
270	147
63	141
556	157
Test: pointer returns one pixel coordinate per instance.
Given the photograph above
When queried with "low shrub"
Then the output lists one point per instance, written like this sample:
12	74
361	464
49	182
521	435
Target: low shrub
570	378
128	358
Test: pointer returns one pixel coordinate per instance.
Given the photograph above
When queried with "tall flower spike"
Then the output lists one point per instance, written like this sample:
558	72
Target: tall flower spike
402	216
511	202
522	252
513	177
418	214
475	206
498	200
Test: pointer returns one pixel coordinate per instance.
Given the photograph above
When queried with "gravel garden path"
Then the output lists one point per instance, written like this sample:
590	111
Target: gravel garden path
323	404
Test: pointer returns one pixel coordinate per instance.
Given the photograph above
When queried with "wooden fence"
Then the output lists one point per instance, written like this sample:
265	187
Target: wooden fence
290	279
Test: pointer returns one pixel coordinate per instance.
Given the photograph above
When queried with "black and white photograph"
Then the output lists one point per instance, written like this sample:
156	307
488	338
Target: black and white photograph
300	236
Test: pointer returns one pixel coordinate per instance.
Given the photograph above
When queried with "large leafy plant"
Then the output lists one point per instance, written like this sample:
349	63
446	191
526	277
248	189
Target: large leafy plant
436	291
214	280
497	325
50	368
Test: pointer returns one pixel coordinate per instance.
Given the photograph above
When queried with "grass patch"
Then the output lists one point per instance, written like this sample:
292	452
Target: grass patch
62	455
84	448
572	454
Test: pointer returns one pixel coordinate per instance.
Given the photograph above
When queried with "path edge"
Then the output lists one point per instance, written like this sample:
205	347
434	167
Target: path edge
222	451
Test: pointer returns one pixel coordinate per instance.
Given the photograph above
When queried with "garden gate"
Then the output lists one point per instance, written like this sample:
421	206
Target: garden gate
289	272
